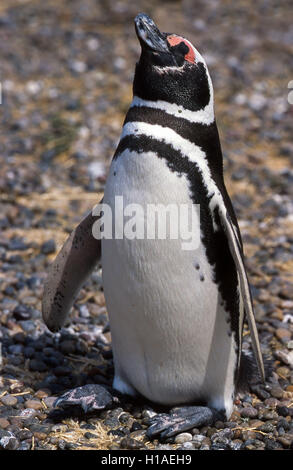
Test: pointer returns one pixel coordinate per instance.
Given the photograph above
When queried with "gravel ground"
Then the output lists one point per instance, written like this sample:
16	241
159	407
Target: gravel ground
66	74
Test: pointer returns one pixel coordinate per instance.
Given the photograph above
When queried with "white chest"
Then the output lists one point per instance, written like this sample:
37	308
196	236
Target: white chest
168	328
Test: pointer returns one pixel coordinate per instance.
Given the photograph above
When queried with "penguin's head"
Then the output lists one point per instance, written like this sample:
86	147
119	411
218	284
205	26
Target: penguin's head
170	68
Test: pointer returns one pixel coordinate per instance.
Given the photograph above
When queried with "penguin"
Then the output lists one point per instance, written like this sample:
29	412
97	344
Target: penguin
176	315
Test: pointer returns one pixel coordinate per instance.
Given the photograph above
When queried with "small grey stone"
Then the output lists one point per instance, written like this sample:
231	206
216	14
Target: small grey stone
188	446
67	347
198	438
24	446
235	444
276	391
129	443
286	440
28	413
22	312
205	445
38	366
9	400
112	422
90	435
59	428
148	414
9	442
84	312
222	436
62	444
24	434
48	247
249	412
271	444
28	326
267	427
15	349
183	437
164	447
49	401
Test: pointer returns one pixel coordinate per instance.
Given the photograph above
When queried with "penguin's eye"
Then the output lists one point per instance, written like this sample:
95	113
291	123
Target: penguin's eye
183	46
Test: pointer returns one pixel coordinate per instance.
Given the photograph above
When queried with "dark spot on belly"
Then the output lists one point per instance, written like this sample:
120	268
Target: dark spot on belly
114	173
201	277
197	266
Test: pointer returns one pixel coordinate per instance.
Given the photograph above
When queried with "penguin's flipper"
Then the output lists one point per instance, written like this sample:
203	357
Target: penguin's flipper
236	252
72	266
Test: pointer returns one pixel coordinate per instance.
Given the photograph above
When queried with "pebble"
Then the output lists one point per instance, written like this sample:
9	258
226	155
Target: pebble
267	427
286	358
24	446
114	446
37	366
236	444
67	347
132	444
24	434
206	444
249	412
48	247
260	391
90	435
286	440
198	438
272	444
41	436
9	442
187	446
148	414
28	326
284	411
59	428
138	434
28	413
4	423
283	334
276	391
9	400
183	437
223	436
42	394
34	404
15	349
22	312
49	401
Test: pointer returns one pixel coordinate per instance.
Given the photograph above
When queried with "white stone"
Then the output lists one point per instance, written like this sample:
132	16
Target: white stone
183	437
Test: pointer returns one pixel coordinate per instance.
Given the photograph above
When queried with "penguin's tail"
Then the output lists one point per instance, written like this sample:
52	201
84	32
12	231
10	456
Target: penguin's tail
248	374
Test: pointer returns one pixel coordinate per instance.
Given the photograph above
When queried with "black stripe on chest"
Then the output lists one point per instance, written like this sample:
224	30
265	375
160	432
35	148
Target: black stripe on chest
215	242
204	136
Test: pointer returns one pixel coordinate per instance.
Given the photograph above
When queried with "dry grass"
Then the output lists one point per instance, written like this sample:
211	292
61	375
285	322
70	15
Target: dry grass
76	435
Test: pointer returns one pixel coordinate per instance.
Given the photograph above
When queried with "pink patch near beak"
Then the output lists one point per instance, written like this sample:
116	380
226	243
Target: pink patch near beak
174	40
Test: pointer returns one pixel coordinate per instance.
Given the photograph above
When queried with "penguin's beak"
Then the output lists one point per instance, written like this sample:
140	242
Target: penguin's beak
149	35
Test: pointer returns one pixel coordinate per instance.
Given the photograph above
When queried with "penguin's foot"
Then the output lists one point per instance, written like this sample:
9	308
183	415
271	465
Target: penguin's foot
181	419
90	398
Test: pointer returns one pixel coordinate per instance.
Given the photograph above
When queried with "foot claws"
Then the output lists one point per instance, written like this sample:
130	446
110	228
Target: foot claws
180	420
91	397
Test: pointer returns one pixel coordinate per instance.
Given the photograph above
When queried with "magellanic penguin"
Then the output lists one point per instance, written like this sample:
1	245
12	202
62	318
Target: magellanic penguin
176	315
